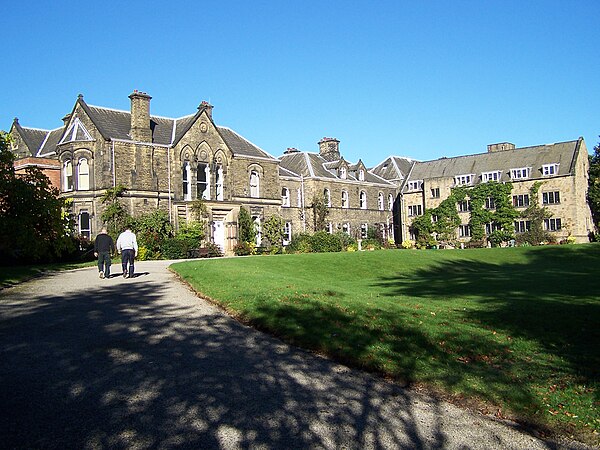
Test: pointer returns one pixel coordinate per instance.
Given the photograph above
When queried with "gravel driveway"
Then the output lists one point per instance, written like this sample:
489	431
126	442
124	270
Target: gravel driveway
143	363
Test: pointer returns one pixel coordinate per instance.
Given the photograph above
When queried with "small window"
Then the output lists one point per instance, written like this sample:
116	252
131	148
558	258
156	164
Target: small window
202	184
343	173
186	175
549	170
363	200
285	197
464	231
390	202
380	202
85	229
361	175
551	198
344	199
415	185
327	197
219	182
463	180
490	203
346	228
521	200
435	192
287	233
522	226
434	218
330	227
491	227
521	173
364	231
491	176
415	210
464	206
552	224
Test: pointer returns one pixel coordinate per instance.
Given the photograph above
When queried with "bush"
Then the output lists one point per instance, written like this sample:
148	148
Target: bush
346	240
300	243
213	250
322	242
371	244
244	249
407	244
173	248
142	253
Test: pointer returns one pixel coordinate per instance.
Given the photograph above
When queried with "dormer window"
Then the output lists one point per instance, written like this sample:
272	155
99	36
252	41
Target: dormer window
464	180
521	173
549	169
361	175
415	185
491	176
343	173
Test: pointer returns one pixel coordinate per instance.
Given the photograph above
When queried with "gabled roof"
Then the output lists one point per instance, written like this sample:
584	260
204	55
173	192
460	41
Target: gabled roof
562	153
241	146
393	168
48	147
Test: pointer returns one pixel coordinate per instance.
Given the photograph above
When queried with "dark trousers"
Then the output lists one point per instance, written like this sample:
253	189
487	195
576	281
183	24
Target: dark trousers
127	257
104	263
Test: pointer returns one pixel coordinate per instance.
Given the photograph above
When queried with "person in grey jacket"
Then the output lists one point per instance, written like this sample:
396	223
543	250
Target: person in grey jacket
128	248
104	247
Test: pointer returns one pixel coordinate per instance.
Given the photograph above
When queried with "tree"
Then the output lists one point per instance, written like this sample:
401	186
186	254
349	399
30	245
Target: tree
535	214
247	229
114	216
33	225
274	231
320	212
594	186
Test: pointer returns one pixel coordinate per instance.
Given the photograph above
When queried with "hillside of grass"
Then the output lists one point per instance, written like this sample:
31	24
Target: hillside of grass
512	330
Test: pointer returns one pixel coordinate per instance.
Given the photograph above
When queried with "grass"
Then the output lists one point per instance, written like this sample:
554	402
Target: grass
512	331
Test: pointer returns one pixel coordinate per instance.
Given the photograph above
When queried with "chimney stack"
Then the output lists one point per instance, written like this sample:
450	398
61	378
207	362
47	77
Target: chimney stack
500	147
329	149
140	117
205	106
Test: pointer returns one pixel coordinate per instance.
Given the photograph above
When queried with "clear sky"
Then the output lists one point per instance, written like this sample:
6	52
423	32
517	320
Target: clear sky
423	79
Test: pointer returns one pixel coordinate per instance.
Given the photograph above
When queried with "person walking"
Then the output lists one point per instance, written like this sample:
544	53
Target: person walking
104	247
128	247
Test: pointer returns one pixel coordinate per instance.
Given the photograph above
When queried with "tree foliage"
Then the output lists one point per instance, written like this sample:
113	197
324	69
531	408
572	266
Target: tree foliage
247	229
273	230
535	214
320	212
115	217
593	194
33	223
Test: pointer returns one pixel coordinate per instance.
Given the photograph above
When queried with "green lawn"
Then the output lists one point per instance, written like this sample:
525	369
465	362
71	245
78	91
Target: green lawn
514	330
14	274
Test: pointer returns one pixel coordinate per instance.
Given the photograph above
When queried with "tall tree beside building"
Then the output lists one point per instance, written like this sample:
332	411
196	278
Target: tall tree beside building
594	186
33	225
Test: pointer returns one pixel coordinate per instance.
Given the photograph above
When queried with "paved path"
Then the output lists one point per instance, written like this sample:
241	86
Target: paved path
143	363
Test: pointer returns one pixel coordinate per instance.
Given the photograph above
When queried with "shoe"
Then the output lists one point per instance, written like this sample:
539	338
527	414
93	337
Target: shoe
125	275
101	274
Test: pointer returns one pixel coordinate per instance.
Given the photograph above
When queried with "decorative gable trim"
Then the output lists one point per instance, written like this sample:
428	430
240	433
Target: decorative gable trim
76	132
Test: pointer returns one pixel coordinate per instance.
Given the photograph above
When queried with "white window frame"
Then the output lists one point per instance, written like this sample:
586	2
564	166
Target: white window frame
520	173
495	175
551	198
415	185
390	202
364	230
415	210
343	173
67	175
345	200
550	170
87	233
522	226
254	184
205	195
464	230
380	202
464	180
186	181
361	175
520	200
346	228
435	192
362	199
287	233
490	203
464	206
553	224
83	175
285	197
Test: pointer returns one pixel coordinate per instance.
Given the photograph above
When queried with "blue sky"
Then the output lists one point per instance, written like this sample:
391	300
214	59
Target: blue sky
423	79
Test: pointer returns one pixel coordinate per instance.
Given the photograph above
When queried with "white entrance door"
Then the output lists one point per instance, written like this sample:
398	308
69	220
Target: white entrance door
219	234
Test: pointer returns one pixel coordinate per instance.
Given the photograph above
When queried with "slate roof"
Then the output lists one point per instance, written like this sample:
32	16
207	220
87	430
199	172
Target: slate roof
562	153
33	138
313	165
241	146
48	147
393	168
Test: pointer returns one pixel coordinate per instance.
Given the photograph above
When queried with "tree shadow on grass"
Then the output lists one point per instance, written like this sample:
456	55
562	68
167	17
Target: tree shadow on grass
552	300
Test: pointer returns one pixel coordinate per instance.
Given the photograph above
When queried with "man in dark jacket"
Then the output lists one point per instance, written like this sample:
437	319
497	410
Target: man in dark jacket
104	247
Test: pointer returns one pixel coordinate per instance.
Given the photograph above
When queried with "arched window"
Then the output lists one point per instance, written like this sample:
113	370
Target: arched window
67	175
285	197
186	180
361	175
219	182
390	202
327	197
254	184
343	173
363	200
258	228
287	233
380	202
344	199
364	231
83	175
203	181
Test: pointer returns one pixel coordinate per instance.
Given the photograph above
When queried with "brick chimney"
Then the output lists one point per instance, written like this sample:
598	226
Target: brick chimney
500	147
140	117
329	149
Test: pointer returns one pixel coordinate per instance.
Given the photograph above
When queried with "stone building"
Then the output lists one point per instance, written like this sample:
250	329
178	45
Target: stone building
170	162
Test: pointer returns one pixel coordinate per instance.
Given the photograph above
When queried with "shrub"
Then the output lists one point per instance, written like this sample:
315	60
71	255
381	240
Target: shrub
407	244
142	253
300	243
213	250
322	241
173	248
244	249
371	244
346	240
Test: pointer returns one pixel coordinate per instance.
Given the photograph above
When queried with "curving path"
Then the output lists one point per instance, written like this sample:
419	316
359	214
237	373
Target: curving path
143	363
